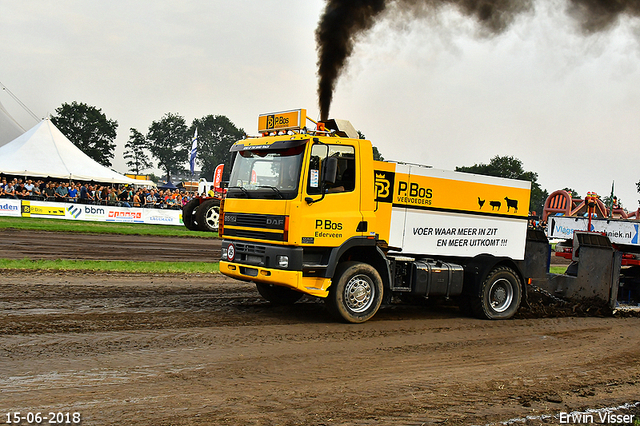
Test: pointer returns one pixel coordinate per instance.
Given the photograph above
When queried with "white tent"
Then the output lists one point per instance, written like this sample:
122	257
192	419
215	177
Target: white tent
9	128
44	151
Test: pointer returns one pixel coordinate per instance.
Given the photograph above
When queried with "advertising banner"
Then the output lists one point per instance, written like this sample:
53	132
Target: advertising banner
88	212
162	216
9	207
618	231
42	209
124	214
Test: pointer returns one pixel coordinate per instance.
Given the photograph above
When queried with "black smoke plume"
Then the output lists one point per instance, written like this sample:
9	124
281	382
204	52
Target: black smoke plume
599	15
344	20
341	22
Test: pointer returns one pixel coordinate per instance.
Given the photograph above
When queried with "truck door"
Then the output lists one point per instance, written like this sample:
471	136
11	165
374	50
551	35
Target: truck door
334	219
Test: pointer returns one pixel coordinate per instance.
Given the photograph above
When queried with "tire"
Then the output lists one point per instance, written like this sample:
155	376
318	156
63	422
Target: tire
189	214
278	295
208	215
500	295
356	292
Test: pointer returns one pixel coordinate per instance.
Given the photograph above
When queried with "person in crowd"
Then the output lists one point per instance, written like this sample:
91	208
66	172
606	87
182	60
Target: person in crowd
106	192
49	192
19	185
136	199
29	186
85	196
113	197
169	200
104	195
20	191
91	189
152	200
10	190
123	197
178	197
159	198
143	196
36	193
73	193
162	198
62	192
99	199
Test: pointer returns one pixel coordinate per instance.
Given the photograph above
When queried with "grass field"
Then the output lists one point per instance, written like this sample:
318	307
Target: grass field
61	225
557	269
111	266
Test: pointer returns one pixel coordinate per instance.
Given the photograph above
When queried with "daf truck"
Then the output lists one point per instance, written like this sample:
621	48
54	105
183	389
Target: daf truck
309	211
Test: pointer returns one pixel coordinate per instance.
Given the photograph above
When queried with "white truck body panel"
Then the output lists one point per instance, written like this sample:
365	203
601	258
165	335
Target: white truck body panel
457	224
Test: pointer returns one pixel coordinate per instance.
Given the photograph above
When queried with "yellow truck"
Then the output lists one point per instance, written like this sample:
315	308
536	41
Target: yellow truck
309	211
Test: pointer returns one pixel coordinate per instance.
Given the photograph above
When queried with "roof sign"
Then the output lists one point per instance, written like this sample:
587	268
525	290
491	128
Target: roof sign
282	121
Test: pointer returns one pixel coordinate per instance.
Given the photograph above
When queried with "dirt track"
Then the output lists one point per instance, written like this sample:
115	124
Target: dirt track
19	244
168	349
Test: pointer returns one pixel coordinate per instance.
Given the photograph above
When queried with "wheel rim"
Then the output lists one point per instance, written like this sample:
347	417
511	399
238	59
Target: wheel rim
359	293
212	218
501	295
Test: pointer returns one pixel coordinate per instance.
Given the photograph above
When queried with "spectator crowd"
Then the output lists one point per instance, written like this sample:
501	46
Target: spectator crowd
91	193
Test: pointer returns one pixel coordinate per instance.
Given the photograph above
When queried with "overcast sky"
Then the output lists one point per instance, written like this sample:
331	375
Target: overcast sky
426	91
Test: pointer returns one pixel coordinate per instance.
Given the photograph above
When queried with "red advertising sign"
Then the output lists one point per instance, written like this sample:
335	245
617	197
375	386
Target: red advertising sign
217	176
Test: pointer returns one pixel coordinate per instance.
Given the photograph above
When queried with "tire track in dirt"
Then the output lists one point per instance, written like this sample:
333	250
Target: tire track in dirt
19	244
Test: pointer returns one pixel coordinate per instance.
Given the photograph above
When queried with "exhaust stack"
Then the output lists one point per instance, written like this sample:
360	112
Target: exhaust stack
342	128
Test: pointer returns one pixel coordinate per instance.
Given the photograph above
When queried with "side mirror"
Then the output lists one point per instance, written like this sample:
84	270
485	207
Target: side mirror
330	171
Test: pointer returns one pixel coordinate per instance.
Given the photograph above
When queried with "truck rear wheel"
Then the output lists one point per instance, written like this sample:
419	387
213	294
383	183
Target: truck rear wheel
356	292
208	215
189	214
278	295
500	295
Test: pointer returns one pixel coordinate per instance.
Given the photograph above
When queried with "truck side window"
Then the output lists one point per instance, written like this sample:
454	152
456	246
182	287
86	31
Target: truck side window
346	177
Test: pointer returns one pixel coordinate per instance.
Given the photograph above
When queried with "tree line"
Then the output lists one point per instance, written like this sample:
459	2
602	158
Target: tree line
168	141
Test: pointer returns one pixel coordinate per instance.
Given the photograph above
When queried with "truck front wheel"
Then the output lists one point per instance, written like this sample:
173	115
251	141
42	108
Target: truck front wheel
278	295
500	295
356	292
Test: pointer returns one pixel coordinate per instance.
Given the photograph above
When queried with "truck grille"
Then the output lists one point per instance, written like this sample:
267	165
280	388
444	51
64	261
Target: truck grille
248	220
250	248
254	235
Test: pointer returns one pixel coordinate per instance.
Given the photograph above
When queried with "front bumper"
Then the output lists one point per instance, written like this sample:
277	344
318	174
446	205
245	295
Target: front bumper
315	286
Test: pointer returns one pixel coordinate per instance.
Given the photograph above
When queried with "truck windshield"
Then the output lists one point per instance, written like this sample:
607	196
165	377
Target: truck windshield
266	174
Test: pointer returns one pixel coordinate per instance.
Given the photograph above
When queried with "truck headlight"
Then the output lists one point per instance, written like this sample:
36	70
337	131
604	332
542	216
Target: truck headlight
283	261
223	254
